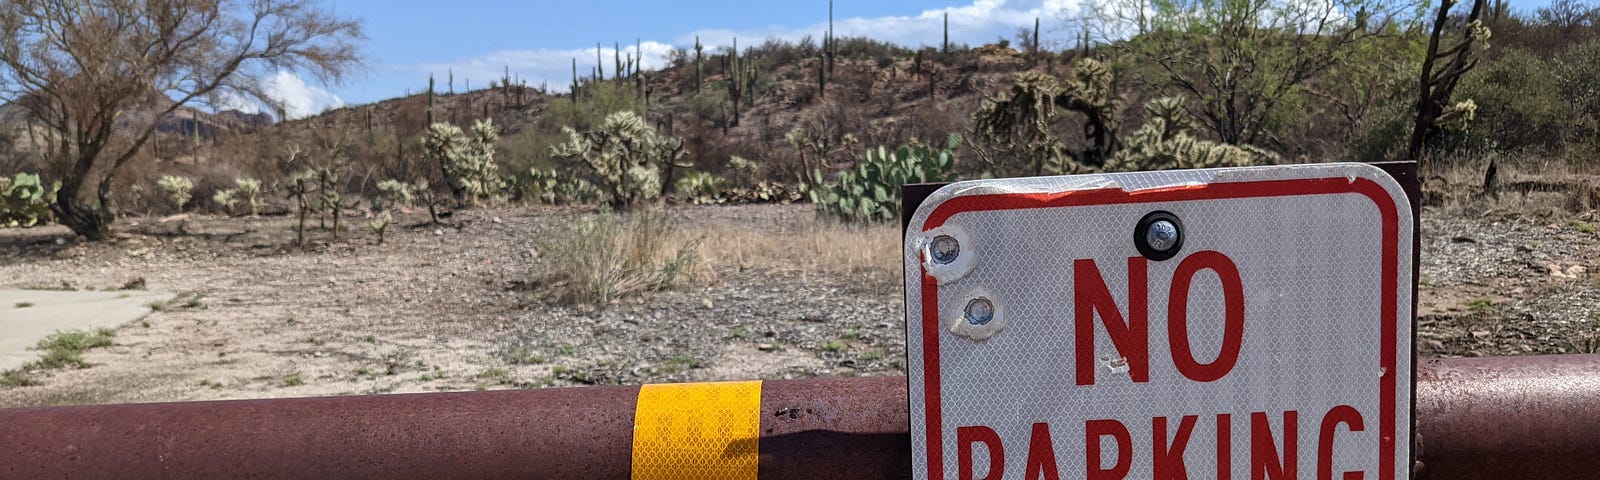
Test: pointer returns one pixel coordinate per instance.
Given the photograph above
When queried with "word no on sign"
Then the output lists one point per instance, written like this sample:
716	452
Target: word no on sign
1241	323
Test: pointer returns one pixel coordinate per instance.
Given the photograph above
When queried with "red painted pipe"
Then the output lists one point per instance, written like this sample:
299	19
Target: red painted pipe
1509	417
1487	418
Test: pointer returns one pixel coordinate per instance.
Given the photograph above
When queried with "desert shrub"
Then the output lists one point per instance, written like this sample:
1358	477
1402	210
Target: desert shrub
1518	104
24	200
863	47
1166	141
467	160
1575	74
178	189
624	157
606	256
871	191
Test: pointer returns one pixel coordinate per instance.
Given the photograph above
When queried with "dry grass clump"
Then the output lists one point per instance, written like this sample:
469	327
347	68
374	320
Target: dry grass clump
813	245
605	256
1523	185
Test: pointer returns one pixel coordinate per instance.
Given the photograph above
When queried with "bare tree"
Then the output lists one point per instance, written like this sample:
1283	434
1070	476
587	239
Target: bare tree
98	74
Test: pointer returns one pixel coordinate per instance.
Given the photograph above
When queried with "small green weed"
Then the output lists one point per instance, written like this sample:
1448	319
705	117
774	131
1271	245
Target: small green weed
679	363
65	348
496	376
523	356
293	380
16	378
853	333
1480	304
834	347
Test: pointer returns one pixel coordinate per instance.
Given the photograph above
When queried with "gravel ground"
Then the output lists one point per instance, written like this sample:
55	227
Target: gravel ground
466	306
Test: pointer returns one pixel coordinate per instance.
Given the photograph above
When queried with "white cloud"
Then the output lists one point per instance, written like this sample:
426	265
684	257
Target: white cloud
977	23
299	99
981	22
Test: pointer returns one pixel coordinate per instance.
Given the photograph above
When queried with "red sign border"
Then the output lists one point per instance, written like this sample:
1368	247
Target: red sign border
1389	310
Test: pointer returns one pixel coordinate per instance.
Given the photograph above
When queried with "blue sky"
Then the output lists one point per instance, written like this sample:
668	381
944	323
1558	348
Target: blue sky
537	40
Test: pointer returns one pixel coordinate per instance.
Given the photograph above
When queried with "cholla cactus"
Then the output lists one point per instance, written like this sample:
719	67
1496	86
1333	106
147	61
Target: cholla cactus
395	193
250	189
466	160
1164	142
178	188
626	157
1020	123
379	224
227	198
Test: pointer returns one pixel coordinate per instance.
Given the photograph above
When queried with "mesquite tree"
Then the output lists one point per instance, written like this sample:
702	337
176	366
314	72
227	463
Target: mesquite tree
1442	69
83	67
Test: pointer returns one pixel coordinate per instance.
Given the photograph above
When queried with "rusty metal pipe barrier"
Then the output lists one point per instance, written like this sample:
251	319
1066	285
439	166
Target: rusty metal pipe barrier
1505	417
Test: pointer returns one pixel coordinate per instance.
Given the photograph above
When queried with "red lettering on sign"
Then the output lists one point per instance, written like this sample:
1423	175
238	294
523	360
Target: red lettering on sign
1264	459
1224	447
1169	457
1131	336
1343	414
1232	318
1041	455
965	437
1092	431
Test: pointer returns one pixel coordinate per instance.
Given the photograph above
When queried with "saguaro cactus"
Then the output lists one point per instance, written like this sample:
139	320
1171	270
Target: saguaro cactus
699	72
830	45
946	48
430	97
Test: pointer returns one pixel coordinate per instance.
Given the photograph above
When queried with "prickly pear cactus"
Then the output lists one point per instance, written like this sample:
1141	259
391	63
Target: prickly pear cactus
24	200
871	191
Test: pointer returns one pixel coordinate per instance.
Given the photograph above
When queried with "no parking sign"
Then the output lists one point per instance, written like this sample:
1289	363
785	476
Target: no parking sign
1227	323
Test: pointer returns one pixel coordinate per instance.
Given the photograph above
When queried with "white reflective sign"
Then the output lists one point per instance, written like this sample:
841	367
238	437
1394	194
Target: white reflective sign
1233	323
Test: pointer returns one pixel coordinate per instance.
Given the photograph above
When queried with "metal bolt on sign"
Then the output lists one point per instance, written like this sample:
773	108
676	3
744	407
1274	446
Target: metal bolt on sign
1159	235
979	311
981	316
948	253
945	249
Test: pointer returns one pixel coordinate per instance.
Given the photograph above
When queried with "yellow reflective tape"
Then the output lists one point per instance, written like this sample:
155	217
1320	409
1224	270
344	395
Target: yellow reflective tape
697	430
